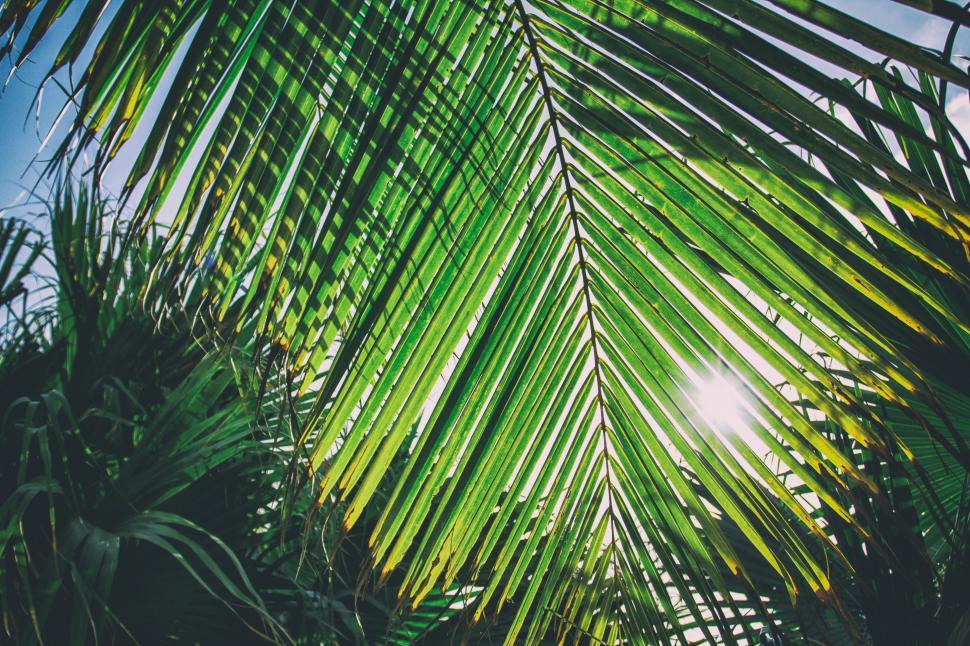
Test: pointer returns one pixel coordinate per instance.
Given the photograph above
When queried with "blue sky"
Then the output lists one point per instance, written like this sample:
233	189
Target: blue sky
24	129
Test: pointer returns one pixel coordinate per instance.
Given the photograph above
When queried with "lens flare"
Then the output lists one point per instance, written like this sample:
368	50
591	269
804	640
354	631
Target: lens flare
721	402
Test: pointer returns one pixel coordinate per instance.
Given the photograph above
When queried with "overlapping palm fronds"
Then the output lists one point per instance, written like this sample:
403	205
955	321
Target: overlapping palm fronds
512	238
140	479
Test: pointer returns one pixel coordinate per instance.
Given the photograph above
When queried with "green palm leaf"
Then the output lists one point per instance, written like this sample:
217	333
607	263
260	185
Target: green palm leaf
18	253
532	230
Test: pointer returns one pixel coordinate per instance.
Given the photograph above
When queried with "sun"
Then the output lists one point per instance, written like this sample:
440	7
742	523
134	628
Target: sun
721	401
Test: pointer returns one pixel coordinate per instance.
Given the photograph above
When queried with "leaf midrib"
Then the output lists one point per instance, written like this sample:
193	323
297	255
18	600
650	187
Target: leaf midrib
581	256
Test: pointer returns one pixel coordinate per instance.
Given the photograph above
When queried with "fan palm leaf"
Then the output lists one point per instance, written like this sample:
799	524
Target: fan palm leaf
513	238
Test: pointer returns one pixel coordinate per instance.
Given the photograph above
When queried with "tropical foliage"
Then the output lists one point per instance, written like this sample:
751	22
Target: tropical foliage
141	473
499	249
120	450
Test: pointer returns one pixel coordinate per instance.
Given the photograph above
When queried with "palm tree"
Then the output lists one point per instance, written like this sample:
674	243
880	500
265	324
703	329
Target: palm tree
141	473
664	301
122	447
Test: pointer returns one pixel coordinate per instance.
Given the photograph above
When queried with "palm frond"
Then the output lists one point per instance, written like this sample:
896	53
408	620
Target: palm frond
531	231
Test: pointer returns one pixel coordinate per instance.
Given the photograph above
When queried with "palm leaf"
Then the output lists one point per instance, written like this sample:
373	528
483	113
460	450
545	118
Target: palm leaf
19	250
531	230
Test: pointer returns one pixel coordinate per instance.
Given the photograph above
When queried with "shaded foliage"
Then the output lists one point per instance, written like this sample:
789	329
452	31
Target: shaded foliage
140	479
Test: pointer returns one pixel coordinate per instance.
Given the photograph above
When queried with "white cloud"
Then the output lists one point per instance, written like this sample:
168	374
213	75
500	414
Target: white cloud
958	109
932	33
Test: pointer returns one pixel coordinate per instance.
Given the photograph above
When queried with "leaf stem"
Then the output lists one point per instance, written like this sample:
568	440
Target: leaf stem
577	235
